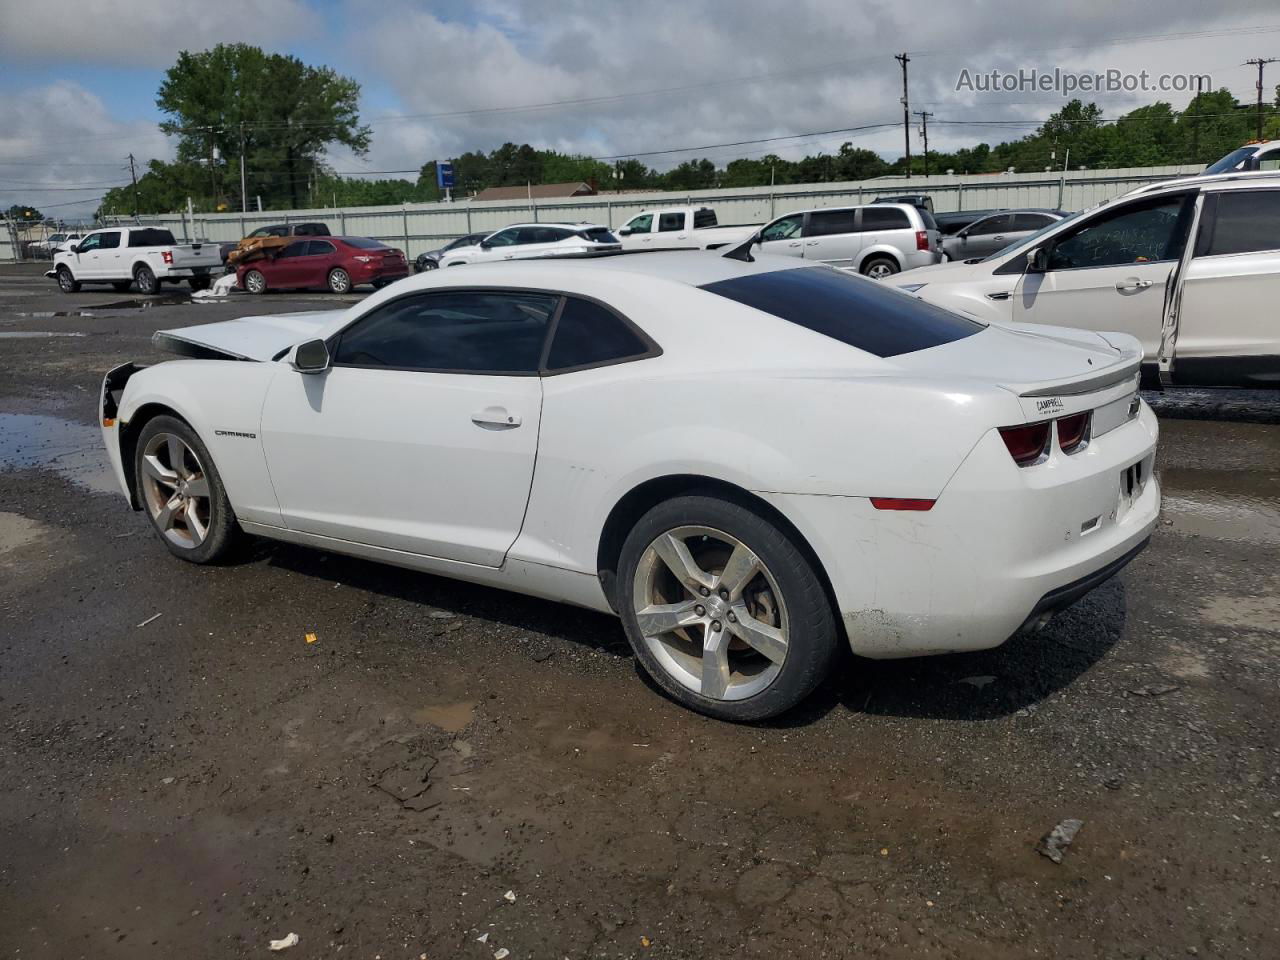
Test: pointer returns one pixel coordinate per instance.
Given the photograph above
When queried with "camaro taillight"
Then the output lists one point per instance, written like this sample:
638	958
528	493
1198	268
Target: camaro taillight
1027	443
922	240
901	503
1073	431
166	256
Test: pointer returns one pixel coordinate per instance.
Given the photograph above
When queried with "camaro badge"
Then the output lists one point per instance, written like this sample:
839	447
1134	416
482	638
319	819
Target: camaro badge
235	433
1049	405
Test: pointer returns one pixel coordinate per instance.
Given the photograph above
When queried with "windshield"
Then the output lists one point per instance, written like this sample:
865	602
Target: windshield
1231	160
1031	237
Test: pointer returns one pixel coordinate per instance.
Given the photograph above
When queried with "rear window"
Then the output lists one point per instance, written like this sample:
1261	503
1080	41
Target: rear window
862	313
150	237
364	243
705	217
598	235
825	223
885	218
1241	221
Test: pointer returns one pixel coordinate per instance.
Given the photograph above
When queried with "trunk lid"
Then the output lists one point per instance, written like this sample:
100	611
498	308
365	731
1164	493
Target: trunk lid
249	338
1053	371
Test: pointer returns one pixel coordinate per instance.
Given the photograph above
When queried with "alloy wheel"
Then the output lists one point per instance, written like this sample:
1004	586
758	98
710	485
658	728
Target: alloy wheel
711	613
879	271
339	281
176	490
255	282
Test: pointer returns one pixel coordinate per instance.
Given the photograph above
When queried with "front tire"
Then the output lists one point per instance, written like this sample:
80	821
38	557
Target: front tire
181	491
66	282
146	280
339	280
255	282
723	610
879	268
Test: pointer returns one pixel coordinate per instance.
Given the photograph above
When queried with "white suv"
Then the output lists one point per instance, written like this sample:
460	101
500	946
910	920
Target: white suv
876	240
523	241
1191	267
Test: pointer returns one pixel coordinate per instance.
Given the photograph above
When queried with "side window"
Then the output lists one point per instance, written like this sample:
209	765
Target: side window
1270	160
319	248
1245	221
1137	233
783	229
296	249
470	332
1030	221
990	225
110	240
92	242
823	223
587	334
543	234
505	238
884	218
668	222
640	224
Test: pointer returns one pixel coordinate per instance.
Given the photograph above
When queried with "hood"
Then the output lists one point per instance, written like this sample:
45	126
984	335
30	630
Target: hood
954	271
249	338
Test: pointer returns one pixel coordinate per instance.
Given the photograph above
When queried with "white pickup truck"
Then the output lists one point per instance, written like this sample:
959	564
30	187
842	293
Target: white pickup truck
680	228
145	256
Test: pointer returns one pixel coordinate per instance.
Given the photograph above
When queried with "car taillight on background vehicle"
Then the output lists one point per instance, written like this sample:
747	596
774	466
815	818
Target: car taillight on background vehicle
1073	431
922	239
166	256
363	259
1027	443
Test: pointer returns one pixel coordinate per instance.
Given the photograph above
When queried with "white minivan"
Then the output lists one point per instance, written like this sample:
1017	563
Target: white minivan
1191	267
876	240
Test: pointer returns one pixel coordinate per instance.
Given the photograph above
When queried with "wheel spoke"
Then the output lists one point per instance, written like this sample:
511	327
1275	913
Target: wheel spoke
761	637
158	471
742	566
195	526
177	457
675	554
171	511
658	618
715	663
197	486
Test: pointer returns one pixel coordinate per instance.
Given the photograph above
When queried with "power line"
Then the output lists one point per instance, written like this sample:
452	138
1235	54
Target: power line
1260	63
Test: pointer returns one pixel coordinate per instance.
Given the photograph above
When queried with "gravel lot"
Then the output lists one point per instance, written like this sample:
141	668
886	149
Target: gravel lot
183	775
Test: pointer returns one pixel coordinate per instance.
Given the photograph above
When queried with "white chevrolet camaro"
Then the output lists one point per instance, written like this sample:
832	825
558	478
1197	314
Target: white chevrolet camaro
749	462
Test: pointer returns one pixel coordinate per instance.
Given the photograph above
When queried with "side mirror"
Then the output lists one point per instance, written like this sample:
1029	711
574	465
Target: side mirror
310	357
485	245
624	232
74	248
1037	260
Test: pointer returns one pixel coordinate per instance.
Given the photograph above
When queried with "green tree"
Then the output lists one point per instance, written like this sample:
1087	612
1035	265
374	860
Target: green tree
23	212
285	112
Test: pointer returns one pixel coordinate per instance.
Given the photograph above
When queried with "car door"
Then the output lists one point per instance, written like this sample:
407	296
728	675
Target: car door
313	267
1227	331
640	228
497	247
784	236
831	236
1110	271
288	268
87	261
114	259
672	229
979	238
421	436
887	229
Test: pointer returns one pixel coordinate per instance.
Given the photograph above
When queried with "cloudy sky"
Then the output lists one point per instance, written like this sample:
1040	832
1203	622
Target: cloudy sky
600	77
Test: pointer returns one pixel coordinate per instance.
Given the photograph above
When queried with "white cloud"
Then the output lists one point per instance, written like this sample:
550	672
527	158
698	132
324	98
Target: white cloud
59	137
145	34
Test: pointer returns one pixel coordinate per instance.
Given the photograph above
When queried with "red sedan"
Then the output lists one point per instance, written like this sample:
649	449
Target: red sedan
338	263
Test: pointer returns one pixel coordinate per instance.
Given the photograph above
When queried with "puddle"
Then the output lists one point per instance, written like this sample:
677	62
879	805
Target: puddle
73	450
1222	504
451	717
50	314
139	304
34	334
17	531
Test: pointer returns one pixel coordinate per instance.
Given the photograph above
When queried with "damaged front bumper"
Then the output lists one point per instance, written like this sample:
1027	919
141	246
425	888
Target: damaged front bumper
108	409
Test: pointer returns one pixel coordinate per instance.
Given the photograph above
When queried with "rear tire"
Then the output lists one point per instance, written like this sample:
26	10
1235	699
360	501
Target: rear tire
146	280
181	492
879	268
255	282
339	280
738	646
67	282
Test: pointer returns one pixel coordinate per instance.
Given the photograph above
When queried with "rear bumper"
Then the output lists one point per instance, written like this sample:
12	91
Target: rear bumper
1002	546
920	258
365	272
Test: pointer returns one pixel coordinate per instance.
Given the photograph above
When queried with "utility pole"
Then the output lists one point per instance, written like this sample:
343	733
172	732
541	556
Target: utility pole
924	116
1260	62
244	191
134	174
1195	123
903	59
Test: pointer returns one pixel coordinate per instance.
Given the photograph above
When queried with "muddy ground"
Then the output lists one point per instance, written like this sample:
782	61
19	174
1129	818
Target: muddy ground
183	775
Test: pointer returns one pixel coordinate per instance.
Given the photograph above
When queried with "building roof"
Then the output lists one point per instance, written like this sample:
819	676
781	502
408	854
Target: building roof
539	191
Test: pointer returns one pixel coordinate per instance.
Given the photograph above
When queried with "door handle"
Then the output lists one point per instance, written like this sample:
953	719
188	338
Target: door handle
812	243
794	243
998	236
495	418
1133	283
